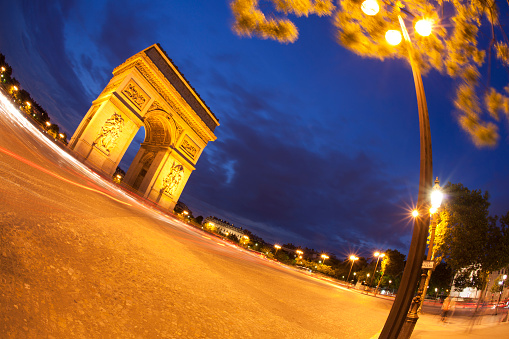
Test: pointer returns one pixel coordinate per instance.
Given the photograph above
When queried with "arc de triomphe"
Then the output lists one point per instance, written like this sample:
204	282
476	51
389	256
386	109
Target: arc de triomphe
147	90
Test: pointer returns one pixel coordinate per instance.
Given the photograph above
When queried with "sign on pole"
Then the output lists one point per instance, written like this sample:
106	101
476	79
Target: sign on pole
427	264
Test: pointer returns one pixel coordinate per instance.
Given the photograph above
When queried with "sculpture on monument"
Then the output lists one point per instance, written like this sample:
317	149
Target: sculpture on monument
109	134
172	180
148	91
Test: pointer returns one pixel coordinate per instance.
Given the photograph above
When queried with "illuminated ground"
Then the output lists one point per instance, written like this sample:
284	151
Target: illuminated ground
79	258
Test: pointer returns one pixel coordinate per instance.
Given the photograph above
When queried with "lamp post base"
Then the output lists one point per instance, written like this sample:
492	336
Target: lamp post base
408	326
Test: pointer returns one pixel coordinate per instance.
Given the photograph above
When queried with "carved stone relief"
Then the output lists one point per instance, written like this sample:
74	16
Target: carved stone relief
155	105
110	132
135	94
179	130
163	92
172	180
189	147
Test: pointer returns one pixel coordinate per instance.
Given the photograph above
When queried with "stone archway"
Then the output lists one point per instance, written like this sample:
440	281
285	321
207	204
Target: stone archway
147	90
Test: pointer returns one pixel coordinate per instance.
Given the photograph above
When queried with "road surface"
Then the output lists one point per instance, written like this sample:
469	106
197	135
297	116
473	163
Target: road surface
79	258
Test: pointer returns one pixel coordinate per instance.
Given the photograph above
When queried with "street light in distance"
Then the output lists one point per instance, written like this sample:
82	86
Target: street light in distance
277	247
324	257
352	258
378	255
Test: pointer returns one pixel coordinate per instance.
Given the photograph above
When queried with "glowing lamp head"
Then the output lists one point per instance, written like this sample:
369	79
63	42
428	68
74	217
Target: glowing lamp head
424	27
436	198
377	254
393	37
505	276
382	255
48	123
28	103
14	88
61	135
3	69
432	210
370	7
415	213
277	246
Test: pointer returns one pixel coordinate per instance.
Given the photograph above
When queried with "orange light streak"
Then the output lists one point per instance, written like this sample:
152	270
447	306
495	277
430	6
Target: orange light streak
44	170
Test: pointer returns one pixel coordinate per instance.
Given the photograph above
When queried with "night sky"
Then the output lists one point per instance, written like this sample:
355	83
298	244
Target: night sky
316	146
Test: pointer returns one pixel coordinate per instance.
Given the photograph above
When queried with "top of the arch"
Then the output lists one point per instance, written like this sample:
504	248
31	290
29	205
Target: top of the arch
158	59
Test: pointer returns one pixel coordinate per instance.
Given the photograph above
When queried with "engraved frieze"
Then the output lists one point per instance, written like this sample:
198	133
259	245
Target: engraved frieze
179	130
135	94
172	180
189	147
110	132
155	105
144	70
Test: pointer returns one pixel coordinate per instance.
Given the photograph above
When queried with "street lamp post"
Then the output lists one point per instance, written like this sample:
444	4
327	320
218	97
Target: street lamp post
378	255
299	254
352	258
324	257
277	247
436	201
501	283
403	315
405	301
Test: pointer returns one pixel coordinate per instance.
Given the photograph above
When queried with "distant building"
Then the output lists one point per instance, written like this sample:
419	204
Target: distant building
224	226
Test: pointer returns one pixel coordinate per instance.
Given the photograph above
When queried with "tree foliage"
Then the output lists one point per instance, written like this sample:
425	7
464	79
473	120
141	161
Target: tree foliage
455	47
441	278
471	242
394	266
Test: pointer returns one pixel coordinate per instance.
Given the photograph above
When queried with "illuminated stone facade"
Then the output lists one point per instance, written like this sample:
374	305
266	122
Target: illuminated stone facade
224	226
147	90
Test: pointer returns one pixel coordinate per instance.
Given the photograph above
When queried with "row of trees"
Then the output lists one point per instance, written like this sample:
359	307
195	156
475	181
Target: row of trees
26	103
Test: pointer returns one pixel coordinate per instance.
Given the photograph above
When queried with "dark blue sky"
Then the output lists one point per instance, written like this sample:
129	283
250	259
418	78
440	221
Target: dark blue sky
317	146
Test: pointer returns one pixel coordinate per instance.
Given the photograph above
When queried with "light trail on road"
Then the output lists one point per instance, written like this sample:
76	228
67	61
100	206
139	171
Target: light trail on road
42	169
